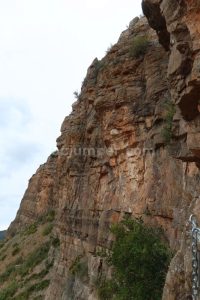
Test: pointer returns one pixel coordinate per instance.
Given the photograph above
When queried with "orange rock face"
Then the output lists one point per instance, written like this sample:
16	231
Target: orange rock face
113	158
181	21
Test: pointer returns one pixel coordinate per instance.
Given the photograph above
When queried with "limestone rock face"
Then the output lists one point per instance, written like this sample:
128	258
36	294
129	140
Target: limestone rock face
113	158
180	31
181	21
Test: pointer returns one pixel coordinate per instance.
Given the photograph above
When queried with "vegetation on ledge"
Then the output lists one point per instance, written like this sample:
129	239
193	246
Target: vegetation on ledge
168	127
139	46
140	261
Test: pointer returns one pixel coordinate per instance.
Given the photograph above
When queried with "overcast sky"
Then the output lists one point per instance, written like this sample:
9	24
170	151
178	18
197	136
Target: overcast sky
46	47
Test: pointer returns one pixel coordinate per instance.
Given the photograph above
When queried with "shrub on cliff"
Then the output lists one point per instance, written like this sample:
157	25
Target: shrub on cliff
140	261
31	229
139	46
15	251
168	126
79	268
48	229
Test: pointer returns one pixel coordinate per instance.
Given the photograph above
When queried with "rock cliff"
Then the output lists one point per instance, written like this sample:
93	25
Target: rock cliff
178	25
129	147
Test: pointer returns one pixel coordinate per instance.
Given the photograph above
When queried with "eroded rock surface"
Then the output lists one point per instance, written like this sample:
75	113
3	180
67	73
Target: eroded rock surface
182	19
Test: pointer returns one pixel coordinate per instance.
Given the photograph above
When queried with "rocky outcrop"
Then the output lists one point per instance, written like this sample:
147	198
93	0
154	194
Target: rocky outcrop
183	26
118	155
180	22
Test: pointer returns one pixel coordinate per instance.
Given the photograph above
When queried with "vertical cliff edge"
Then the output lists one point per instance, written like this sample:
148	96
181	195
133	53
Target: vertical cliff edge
130	147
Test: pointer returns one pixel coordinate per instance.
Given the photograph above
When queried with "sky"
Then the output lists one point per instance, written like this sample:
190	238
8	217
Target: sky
46	47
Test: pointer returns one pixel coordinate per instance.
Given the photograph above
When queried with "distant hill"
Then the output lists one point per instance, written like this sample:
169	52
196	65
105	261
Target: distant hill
2	234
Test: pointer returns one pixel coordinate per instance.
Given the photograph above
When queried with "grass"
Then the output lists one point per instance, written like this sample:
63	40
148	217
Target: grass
31	229
20	275
9	291
23	267
48	217
33	288
7	273
43	273
34	259
39	286
79	268
22	296
48	229
139	46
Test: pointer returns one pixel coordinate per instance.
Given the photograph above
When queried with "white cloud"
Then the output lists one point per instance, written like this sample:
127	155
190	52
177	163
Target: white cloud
45	49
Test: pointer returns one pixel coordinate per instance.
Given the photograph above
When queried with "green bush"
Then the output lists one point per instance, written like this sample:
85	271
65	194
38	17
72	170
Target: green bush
2	257
98	67
50	216
140	260
56	242
139	46
15	251
54	154
48	229
79	268
169	115
109	48
47	217
31	229
76	94
9	291
106	289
